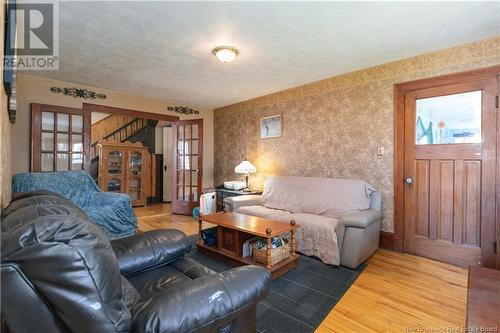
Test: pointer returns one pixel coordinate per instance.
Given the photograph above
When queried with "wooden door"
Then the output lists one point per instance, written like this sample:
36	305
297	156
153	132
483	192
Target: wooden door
60	138
449	164
188	165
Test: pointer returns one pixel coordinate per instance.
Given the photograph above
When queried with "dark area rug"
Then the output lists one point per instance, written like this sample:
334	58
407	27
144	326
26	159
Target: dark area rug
299	300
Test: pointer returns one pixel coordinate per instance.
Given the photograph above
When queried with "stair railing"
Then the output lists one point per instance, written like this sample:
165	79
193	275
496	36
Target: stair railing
122	134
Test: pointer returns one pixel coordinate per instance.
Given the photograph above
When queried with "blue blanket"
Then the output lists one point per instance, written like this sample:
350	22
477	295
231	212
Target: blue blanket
112	211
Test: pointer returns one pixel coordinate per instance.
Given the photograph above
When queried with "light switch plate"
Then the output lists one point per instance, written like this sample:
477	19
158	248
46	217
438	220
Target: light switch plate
380	151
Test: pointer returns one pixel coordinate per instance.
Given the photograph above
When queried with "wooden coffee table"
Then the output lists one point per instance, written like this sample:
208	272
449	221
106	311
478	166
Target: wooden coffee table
234	229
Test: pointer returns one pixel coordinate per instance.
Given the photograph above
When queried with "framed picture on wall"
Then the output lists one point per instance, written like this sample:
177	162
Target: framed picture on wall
270	127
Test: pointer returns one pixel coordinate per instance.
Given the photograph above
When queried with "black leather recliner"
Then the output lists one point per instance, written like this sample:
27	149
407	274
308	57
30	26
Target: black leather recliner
59	273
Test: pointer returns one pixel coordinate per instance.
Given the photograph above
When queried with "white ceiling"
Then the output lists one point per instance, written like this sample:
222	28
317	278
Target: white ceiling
163	49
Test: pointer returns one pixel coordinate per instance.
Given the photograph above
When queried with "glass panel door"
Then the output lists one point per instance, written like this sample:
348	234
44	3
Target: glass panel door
187	174
59	138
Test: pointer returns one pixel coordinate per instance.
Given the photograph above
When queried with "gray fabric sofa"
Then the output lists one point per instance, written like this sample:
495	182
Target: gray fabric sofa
357	231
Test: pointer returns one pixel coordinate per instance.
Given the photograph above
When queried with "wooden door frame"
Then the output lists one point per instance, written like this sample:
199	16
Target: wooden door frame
129	112
400	89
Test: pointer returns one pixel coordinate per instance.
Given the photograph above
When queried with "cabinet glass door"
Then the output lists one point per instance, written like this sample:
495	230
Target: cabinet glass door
114	170
135	175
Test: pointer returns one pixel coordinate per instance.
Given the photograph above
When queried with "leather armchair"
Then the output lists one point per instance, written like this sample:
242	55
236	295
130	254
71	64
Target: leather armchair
60	273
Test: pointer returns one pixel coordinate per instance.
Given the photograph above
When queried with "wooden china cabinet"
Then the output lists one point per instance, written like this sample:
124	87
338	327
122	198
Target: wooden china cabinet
125	168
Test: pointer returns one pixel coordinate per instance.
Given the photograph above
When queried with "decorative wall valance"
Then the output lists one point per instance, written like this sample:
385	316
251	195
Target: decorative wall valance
77	93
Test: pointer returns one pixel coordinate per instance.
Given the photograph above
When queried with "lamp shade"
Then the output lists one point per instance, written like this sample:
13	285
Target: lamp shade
245	167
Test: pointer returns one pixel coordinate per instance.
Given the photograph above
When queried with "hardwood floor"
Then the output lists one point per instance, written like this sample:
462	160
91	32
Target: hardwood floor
159	216
395	293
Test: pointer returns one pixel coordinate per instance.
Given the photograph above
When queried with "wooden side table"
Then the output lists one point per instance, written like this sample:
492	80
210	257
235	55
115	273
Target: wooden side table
225	193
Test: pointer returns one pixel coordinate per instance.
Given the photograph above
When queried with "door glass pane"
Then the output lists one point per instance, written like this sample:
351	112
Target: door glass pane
186	193
194	177
187	147
62	162
180	147
195	193
194	147
62	142
48	121
449	119
63	122
115	162
180	132
76	123
187	164
77	142
194	133
76	161
187	132
180	179
180	162
47	162
47	141
114	185
194	163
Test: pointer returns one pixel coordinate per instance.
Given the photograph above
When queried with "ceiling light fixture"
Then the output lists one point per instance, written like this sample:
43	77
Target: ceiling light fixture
225	53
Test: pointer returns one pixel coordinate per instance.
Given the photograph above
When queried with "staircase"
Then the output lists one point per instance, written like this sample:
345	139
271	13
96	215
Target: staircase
137	130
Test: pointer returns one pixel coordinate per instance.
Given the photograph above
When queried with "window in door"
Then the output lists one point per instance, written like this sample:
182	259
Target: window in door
449	119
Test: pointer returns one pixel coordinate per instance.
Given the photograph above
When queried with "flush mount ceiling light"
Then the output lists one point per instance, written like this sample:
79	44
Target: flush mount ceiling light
225	53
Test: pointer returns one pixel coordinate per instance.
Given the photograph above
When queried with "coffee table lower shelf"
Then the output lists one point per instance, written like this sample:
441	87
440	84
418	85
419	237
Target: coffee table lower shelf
276	270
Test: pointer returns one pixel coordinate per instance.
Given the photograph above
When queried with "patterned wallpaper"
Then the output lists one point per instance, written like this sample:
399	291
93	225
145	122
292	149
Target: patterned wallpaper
5	134
331	128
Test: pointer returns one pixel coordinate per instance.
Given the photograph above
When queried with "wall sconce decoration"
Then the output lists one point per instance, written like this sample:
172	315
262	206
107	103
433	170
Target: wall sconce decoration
182	110
77	93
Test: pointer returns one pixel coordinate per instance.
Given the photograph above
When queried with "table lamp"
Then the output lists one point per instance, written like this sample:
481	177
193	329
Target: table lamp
246	168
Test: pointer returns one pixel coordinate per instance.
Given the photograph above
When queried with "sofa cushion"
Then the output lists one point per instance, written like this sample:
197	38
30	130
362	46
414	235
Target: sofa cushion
265	212
157	280
313	195
316	236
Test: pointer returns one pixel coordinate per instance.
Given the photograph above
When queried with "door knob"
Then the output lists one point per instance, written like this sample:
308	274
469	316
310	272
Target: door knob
409	180
164	168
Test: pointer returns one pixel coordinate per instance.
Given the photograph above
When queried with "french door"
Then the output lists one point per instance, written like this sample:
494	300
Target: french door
60	138
188	165
450	135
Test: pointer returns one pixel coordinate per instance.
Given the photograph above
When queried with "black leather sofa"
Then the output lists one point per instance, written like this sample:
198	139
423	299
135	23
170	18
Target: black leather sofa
60	273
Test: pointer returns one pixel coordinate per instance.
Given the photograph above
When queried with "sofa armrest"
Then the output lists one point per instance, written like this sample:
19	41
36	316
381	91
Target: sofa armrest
209	300
149	250
107	198
360	219
232	203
